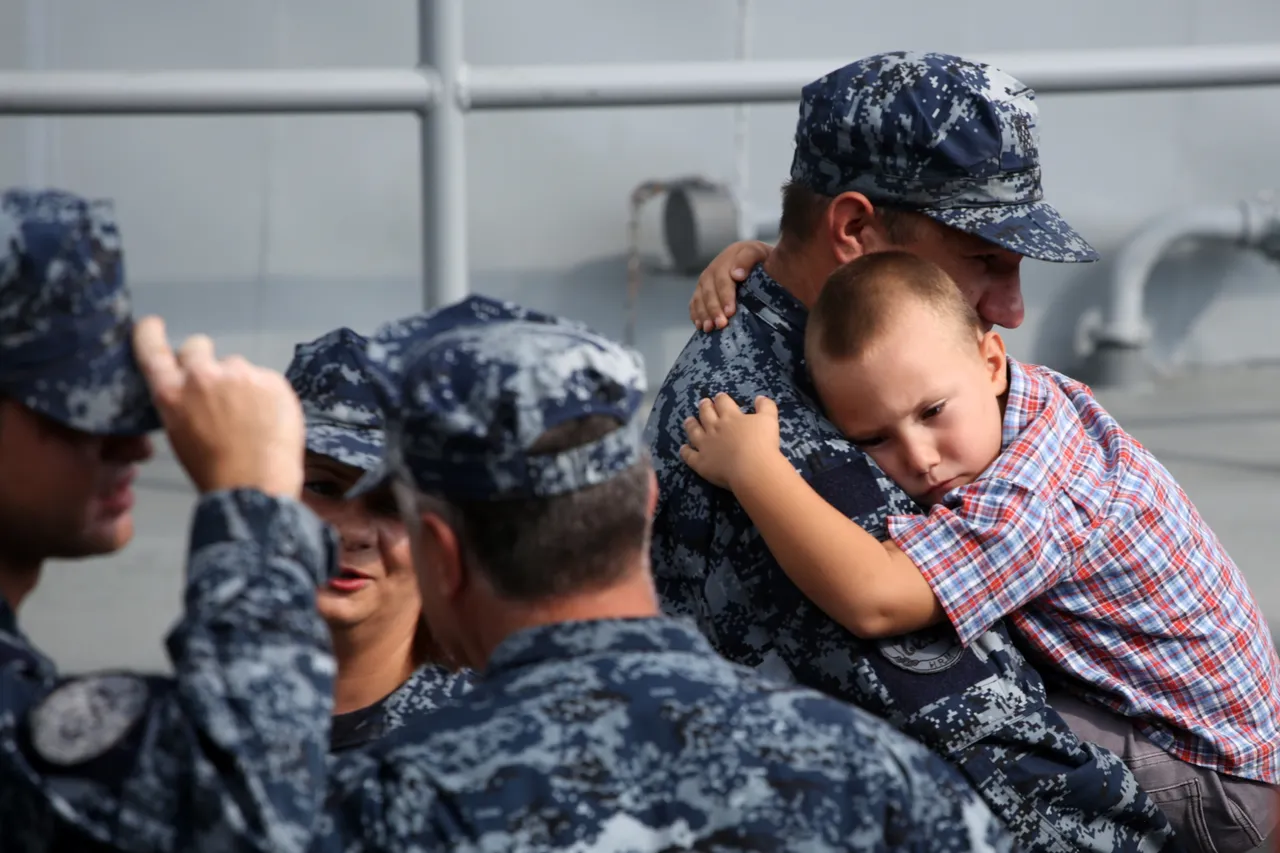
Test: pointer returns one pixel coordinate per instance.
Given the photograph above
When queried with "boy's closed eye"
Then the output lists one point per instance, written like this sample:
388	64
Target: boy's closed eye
927	413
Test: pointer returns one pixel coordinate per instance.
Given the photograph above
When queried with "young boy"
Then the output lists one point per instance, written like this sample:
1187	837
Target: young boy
1040	507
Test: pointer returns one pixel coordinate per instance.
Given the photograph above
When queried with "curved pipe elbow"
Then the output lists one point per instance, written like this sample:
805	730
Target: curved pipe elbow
1124	324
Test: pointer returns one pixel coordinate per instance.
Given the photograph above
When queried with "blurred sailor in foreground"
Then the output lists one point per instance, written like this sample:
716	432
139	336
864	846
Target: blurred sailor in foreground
229	752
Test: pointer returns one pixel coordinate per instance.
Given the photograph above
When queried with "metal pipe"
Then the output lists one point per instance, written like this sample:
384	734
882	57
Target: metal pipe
1119	343
511	87
1142	69
659	84
444	164
1123	321
741	128
437	92
635	272
653	84
225	92
37	59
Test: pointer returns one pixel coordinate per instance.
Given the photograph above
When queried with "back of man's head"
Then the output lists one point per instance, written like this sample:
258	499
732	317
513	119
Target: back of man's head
927	134
520	430
537	548
865	297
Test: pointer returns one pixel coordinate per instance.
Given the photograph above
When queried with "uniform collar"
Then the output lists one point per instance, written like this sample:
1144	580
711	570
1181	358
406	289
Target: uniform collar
592	638
772	303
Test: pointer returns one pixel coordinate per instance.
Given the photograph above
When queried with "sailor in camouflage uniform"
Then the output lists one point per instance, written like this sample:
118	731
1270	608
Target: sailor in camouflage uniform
228	754
955	141
333	379
515	455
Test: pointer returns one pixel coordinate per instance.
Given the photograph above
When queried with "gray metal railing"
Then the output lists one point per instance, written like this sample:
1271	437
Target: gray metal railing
443	89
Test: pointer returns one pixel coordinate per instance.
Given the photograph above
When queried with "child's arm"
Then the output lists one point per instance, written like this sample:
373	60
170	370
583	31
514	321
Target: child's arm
869	587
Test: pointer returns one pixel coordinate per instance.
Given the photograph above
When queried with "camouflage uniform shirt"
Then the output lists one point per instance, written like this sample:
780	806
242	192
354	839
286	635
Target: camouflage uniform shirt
634	735
226	755
430	687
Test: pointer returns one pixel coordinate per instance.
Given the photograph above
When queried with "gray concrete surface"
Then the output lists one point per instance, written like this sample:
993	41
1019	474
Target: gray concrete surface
1219	432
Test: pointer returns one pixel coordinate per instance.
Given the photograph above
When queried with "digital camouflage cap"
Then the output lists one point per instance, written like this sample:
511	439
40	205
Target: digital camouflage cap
477	383
66	321
953	139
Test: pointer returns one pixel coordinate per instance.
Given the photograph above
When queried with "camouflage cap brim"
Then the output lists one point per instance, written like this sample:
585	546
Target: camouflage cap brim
359	447
374	479
110	398
1034	230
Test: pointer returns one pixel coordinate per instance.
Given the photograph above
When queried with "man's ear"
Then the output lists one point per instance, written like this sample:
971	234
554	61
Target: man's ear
852	227
652	505
440	556
991	350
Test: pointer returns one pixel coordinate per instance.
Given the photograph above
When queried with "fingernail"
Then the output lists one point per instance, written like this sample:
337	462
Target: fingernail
739	271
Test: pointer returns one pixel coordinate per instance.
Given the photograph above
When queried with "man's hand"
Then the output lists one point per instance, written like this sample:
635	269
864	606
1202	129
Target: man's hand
232	424
713	298
724	442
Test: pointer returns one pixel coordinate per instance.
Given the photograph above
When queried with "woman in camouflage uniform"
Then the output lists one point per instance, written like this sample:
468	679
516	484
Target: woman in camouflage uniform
389	669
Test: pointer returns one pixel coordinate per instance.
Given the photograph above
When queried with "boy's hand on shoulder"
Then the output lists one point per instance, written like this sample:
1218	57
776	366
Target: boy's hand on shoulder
725	443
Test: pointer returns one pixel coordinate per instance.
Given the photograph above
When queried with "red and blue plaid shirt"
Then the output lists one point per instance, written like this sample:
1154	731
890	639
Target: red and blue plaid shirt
1104	566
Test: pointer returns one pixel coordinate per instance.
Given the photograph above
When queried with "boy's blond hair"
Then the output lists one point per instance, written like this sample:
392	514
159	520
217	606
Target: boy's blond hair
863	297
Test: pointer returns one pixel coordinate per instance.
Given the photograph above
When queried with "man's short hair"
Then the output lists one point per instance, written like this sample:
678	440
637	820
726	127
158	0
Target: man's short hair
803	211
861	298
532	549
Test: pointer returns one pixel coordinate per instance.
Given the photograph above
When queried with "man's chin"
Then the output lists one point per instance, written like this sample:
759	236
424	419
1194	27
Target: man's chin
106	537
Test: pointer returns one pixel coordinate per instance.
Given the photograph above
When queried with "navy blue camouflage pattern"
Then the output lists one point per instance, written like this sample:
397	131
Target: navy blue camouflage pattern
982	708
633	735
429	688
953	139
394	342
481	381
65	317
335	383
229	753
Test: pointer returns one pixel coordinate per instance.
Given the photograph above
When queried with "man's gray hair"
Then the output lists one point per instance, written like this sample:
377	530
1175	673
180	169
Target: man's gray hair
532	549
